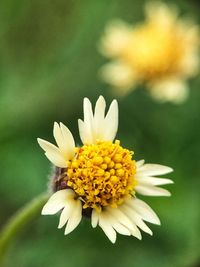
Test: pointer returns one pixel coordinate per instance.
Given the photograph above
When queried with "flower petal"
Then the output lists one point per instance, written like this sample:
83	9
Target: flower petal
99	118
153	169
86	130
119	75
58	136
88	117
144	210
56	202
64	140
143	180
75	216
149	190
136	219
136	232
174	90
111	122
117	35
107	227
53	153
66	213
47	146
99	112
94	218
121	229
139	163
121	217
57	160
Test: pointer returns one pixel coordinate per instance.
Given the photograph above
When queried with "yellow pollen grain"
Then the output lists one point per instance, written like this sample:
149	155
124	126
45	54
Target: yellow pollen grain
98	160
102	174
107	160
120	172
114	179
111	164
104	166
112	171
118	165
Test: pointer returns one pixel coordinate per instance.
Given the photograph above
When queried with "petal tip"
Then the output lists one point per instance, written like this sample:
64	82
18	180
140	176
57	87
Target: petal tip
39	140
170	169
44	211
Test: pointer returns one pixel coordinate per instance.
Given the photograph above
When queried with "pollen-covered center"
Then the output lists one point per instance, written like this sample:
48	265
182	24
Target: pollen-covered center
102	174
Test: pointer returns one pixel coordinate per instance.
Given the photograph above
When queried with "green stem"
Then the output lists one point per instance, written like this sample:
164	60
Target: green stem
19	220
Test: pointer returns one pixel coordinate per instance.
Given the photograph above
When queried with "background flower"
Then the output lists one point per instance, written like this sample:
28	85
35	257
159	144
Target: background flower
49	62
161	52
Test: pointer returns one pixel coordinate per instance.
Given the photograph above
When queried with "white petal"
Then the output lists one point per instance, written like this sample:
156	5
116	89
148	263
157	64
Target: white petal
99	118
57	159
58	136
75	217
111	122
56	202
121	229
53	153
174	90
144	210
83	132
139	163
117	35
99	112
66	213
86	127
94	218
133	229
120	217
65	140
47	146
88	120
153	169
143	180
107	228
149	190
136	219
121	76
136	232
68	140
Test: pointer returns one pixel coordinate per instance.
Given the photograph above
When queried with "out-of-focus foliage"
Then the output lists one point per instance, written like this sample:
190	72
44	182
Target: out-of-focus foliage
49	62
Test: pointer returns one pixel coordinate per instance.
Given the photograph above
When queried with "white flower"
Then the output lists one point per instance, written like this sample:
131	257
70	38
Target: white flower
101	178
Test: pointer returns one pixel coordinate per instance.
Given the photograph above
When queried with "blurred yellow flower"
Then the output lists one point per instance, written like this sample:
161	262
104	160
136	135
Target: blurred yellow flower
161	52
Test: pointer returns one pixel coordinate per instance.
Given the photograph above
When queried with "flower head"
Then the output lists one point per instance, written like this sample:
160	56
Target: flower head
101	179
161	52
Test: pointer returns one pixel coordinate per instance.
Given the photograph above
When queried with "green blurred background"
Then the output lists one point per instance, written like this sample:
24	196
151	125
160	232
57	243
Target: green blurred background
49	62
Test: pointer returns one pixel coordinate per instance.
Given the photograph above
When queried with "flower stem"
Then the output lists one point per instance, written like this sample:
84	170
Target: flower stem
19	220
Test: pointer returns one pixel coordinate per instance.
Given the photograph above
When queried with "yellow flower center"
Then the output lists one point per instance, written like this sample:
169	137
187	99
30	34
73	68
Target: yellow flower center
154	52
102	174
